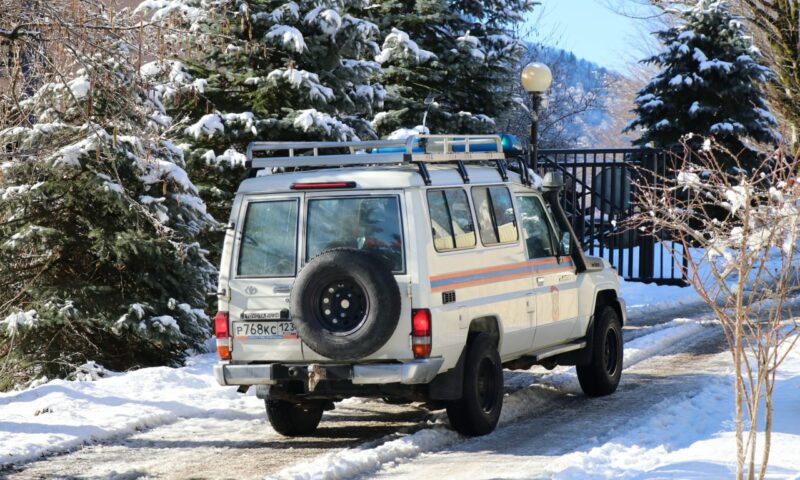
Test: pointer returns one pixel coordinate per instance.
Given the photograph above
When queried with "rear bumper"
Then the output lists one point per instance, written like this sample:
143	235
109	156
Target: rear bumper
410	373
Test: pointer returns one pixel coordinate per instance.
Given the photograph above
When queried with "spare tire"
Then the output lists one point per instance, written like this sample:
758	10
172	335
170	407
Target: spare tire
345	304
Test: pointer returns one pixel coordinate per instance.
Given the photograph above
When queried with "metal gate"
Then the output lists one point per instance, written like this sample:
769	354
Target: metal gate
600	195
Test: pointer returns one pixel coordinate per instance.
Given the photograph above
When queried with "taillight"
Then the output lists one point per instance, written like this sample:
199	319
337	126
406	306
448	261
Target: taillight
421	333
221	324
223	335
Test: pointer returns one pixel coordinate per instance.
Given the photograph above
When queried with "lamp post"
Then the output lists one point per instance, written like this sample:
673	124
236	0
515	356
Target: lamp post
536	80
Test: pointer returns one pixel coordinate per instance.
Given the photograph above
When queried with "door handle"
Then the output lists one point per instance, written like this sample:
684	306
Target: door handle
282	289
540	281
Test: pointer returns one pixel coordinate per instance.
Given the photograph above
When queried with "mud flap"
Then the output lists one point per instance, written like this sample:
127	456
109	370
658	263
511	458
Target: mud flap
582	356
449	385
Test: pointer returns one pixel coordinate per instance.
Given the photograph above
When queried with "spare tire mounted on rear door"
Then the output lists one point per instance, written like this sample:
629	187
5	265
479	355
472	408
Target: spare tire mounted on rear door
345	303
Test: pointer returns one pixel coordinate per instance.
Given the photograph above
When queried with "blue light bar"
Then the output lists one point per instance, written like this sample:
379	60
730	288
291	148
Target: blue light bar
511	145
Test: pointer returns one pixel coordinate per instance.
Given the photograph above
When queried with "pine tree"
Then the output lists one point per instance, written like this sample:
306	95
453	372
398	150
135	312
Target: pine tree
778	25
460	52
98	220
710	85
272	70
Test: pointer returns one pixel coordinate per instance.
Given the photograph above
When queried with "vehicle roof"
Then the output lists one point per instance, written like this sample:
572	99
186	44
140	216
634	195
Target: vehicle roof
377	178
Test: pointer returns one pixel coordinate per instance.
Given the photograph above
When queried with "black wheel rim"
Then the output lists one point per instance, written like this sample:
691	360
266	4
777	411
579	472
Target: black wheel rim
487	386
342	307
610	351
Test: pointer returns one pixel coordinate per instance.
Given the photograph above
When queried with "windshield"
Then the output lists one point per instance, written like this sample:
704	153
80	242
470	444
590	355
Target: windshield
366	223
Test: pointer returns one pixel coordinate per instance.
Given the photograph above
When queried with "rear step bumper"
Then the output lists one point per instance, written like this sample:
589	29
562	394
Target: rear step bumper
413	372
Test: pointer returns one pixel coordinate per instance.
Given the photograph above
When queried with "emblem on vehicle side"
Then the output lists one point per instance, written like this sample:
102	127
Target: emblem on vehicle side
556	303
251	290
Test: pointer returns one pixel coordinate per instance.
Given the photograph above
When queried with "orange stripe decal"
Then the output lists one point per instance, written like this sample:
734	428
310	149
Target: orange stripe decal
541	261
502	273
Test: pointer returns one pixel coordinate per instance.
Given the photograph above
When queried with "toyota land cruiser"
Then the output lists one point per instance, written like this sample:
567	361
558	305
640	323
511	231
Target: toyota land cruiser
411	270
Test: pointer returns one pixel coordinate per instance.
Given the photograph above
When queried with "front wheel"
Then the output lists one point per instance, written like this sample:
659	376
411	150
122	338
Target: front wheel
294	419
478	409
601	376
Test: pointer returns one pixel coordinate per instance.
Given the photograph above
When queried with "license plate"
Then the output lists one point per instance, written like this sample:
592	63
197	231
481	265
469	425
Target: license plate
268	330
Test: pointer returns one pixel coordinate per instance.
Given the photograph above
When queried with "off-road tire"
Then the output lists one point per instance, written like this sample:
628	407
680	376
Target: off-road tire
601	376
362	274
293	419
478	409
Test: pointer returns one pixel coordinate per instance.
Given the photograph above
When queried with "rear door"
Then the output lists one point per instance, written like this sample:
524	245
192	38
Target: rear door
263	266
371	221
503	284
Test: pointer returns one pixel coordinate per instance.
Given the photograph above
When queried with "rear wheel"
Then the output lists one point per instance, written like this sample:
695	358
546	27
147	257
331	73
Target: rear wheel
294	419
602	375
478	409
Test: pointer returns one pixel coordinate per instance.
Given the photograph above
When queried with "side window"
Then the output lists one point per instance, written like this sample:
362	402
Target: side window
536	228
495	212
269	239
451	219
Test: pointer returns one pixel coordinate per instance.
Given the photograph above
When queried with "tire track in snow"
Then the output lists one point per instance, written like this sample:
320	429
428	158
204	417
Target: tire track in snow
219	448
352	462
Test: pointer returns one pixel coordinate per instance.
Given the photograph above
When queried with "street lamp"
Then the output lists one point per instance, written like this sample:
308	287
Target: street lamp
536	79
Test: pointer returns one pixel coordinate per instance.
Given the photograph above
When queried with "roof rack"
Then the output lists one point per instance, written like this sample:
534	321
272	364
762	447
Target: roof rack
416	149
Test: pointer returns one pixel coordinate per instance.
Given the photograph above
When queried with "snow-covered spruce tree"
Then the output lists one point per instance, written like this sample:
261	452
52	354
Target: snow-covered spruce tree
460	52
97	225
710	85
264	70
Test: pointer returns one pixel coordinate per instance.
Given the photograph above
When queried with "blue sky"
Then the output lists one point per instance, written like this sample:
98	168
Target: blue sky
590	29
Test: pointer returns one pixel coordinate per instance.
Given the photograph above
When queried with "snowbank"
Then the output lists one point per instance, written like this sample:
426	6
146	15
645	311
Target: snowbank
644	298
60	415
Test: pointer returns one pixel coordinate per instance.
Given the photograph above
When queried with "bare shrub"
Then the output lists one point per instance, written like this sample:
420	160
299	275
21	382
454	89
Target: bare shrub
743	264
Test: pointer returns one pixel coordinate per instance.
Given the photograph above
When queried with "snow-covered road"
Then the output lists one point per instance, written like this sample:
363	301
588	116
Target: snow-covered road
230	438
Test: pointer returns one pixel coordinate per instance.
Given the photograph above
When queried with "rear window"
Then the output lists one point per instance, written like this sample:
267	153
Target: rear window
365	223
269	240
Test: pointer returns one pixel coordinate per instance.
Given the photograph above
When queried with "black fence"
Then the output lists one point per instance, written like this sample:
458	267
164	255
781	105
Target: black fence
600	196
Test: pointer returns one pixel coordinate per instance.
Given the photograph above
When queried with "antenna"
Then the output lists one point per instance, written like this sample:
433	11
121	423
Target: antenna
429	100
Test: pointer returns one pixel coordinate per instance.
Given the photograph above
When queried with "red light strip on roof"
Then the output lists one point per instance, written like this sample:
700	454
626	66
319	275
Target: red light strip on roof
322	185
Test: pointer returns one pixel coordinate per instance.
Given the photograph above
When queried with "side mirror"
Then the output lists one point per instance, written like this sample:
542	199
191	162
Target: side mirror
565	244
222	227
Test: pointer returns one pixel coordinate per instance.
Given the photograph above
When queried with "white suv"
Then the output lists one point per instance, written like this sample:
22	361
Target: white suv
410	270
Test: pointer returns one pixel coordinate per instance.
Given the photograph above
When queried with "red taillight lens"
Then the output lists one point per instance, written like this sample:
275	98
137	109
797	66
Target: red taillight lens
223	337
221	324
421	330
421	323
